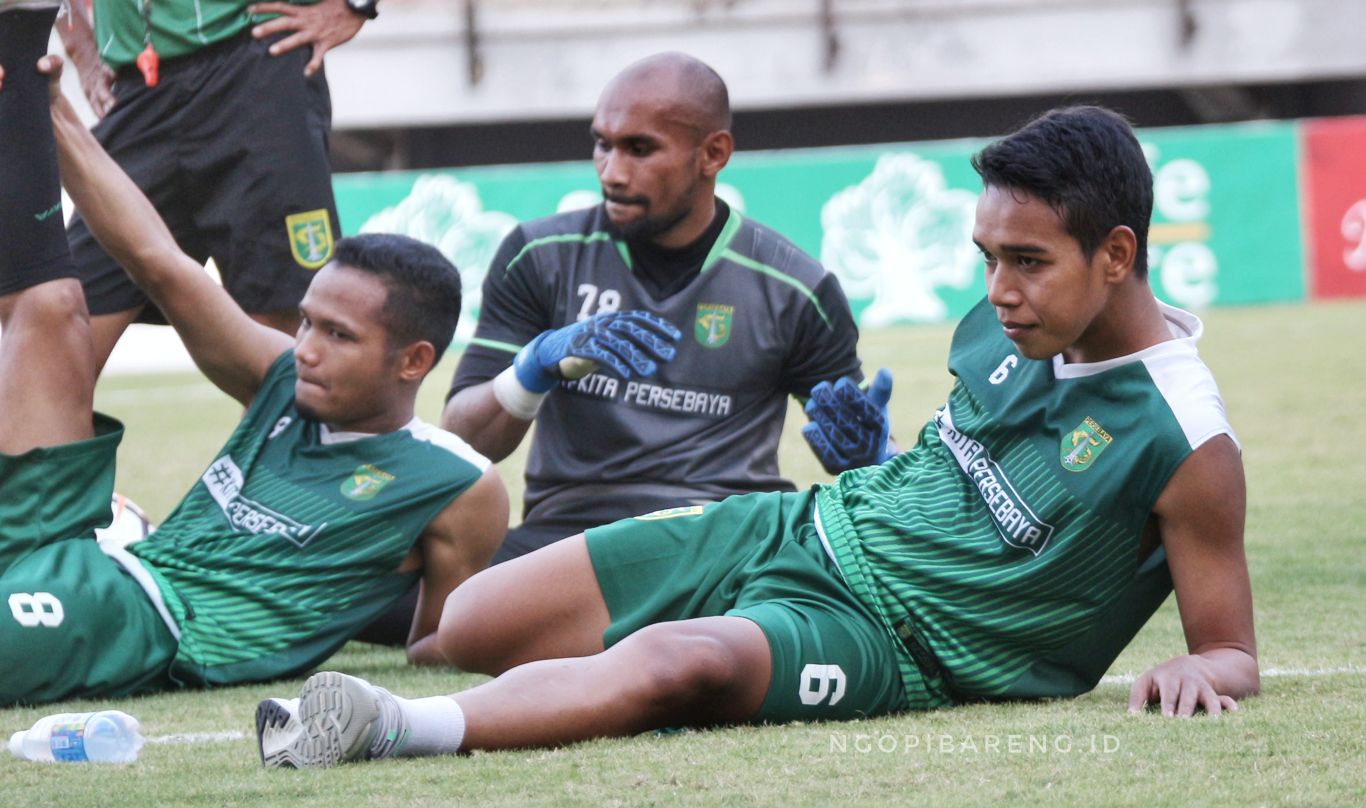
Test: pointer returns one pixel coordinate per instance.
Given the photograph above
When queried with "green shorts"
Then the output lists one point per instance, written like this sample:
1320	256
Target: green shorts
57	492
758	557
72	622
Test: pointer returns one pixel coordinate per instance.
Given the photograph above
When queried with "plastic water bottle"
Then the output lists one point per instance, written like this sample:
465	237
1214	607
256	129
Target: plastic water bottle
108	736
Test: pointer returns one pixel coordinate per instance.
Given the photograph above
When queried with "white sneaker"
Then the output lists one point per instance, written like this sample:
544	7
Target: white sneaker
336	719
276	728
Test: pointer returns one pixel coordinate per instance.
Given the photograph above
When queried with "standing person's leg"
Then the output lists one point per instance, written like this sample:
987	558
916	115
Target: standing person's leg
269	223
46	359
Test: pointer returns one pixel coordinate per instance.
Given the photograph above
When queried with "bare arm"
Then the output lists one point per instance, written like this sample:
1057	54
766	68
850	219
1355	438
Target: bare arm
233	350
97	80
1200	518
323	26
458	543
475	415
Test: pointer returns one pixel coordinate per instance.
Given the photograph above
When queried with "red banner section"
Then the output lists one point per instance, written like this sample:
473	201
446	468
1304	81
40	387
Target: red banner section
1333	200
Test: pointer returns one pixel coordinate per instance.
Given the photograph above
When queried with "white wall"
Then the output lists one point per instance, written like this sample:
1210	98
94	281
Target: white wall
549	58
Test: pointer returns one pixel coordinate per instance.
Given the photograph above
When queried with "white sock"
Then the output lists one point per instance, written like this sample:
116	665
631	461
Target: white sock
436	726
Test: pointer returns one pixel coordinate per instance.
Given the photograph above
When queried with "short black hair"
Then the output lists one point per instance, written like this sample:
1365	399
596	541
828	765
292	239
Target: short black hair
423	286
1086	164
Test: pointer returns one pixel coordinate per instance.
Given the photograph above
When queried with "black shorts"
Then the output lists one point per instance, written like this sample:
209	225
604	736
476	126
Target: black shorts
32	245
231	147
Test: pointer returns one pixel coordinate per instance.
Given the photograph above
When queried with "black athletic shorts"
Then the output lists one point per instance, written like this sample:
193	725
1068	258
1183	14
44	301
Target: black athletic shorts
231	147
32	245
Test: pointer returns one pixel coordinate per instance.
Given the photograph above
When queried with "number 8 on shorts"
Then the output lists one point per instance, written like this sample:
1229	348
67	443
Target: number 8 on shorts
33	609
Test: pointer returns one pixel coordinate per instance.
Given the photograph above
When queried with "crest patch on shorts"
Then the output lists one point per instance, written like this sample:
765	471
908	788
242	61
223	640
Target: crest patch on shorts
310	237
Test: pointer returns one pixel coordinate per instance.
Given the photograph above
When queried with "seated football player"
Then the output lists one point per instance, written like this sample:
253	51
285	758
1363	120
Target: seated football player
328	501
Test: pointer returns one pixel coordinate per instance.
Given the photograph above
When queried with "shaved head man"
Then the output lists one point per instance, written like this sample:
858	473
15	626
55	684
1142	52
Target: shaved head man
690	87
675	110
655	338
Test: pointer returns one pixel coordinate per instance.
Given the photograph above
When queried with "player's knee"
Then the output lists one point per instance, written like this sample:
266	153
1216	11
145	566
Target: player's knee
681	668
466	633
54	309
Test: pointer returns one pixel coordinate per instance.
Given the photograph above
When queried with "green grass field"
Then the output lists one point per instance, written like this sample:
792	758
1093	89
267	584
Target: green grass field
1292	377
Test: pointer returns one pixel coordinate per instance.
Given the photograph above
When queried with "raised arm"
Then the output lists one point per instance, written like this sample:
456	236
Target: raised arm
1200	518
458	543
233	351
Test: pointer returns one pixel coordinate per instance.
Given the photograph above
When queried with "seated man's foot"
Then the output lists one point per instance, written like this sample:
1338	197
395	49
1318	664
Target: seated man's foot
277	727
336	719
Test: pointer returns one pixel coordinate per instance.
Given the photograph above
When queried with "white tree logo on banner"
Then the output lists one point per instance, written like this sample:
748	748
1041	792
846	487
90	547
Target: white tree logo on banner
448	214
897	236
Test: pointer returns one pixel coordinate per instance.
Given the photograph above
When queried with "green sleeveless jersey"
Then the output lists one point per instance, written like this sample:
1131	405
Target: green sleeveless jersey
178	27
290	541
1003	551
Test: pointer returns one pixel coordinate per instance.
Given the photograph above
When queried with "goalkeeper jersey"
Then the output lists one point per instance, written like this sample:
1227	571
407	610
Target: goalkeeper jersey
760	321
290	542
1003	551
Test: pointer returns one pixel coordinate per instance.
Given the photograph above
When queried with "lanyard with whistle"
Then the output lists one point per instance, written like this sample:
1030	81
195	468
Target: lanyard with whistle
148	62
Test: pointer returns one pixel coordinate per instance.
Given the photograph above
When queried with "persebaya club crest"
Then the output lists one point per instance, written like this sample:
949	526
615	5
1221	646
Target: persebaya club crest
310	237
712	326
1083	445
365	482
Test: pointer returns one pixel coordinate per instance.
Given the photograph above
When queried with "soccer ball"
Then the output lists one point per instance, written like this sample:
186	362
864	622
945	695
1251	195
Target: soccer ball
129	523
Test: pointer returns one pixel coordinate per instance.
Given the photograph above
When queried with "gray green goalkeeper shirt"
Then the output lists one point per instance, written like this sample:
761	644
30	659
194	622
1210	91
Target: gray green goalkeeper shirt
761	321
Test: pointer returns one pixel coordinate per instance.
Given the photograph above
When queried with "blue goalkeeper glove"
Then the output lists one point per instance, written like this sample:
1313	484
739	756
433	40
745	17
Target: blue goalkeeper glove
632	343
849	427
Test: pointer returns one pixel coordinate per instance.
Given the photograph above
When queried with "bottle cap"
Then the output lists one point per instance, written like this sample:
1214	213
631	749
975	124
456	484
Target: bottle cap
16	744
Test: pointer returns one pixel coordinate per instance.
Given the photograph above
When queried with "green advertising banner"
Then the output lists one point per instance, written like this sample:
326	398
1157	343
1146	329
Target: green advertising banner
1225	214
894	222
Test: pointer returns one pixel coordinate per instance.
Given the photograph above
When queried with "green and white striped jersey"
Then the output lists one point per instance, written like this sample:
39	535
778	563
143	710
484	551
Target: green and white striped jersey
1004	549
290	542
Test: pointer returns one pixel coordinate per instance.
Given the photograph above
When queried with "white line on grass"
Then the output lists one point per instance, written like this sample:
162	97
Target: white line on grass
198	737
1122	678
1272	673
